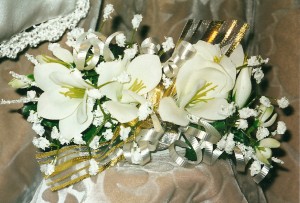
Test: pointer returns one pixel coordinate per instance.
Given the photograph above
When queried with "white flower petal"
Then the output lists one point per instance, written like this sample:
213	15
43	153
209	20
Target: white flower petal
63	54
69	126
42	74
209	110
237	56
269	142
82	110
68	79
147	68
266	112
122	112
207	50
55	106
243	87
270	122
169	111
107	71
131	97
261	157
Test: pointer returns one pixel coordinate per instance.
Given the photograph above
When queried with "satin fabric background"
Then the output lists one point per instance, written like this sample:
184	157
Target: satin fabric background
274	33
17	15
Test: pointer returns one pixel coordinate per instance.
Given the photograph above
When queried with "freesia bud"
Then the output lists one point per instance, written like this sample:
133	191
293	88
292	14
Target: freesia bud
264	152
265	118
16	83
243	87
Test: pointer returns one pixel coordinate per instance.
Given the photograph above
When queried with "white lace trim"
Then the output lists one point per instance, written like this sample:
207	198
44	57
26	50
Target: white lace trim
51	31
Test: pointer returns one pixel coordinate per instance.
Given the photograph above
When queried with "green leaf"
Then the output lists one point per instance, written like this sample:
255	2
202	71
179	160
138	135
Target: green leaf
27	108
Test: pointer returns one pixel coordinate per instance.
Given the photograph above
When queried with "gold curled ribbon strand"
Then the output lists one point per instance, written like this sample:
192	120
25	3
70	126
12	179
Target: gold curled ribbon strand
181	54
262	174
148	46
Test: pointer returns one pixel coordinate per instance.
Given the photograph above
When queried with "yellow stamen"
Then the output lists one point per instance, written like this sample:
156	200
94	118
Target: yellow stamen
201	93
137	86
74	92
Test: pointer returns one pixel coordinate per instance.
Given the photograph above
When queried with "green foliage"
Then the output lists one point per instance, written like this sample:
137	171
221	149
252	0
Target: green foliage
27	108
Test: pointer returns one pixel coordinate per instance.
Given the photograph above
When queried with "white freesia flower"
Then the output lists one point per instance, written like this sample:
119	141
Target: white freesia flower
243	87
263	151
265	119
145	73
61	53
202	85
64	98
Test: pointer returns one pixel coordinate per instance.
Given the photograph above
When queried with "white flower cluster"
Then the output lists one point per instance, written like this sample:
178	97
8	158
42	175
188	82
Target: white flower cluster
265	101
73	35
136	154
20	81
137	19
262	132
145	110
94	168
108	134
94	144
258	74
255	168
108	10
36	121
227	143
41	143
124	132
122	78
283	102
98	117
247	112
131	52
168	44
48	169
31	59
242	124
51	31
167	82
228	110
120	40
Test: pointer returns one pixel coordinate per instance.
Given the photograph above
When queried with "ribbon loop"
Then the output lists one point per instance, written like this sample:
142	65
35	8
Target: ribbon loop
148	46
181	54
